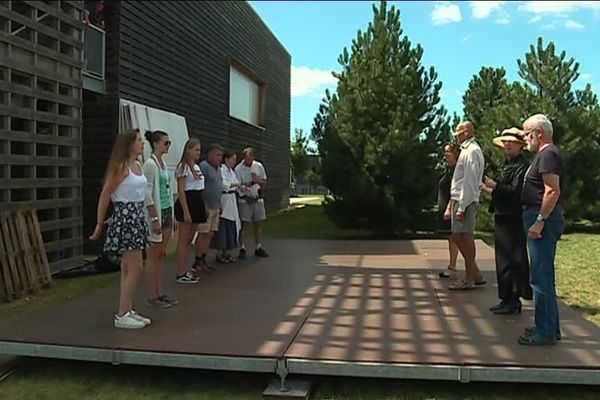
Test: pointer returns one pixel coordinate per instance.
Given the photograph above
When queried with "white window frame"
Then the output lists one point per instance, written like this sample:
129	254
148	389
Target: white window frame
246	96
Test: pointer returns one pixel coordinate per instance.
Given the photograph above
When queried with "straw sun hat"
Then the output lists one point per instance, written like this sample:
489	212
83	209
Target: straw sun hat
509	135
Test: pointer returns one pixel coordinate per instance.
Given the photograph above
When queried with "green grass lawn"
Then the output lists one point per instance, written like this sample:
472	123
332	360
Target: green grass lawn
577	280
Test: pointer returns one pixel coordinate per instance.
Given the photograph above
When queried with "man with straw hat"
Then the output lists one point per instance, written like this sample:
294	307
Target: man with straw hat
512	264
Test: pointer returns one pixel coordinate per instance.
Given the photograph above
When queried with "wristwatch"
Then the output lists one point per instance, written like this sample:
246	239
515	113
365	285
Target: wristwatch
540	218
154	219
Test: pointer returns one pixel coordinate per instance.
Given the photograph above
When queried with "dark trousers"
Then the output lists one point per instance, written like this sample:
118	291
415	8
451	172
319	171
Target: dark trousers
512	261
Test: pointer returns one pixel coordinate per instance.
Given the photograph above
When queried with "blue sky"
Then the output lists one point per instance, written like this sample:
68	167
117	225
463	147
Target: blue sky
458	39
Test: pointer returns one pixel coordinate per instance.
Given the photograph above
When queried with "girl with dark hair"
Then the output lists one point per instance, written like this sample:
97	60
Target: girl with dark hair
127	235
159	205
451	153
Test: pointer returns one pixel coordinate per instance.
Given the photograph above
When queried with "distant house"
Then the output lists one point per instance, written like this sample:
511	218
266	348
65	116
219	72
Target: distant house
305	185
68	67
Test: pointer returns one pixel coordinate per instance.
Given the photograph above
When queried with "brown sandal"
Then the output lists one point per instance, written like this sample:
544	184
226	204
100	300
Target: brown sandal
448	273
461	285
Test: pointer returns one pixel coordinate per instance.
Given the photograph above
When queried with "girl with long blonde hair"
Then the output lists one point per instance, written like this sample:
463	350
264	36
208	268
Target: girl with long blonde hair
127	235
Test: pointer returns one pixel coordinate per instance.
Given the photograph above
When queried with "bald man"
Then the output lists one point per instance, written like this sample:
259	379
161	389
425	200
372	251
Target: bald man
464	202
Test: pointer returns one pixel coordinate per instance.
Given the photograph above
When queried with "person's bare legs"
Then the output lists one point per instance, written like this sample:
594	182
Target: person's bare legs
152	265
243	233
160	270
257	232
199	245
466	245
242	237
186	232
131	271
453	251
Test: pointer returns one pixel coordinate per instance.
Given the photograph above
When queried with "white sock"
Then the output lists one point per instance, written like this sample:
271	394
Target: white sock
258	246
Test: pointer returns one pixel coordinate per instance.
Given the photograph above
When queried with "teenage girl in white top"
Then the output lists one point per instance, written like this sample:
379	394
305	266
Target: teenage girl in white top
189	207
127	235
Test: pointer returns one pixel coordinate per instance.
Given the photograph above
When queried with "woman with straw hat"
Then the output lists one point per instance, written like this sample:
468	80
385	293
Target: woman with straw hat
512	263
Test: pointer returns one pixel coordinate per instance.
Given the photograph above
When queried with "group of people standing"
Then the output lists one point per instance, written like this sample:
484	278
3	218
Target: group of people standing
216	201
528	219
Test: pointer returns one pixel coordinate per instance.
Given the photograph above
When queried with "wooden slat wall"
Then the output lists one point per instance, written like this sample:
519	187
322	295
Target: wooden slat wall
100	124
40	120
175	56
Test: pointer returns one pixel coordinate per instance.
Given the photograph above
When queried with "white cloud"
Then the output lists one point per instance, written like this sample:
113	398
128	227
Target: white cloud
466	38
585	76
445	13
535	18
504	19
310	81
549	27
571	24
558	7
483	9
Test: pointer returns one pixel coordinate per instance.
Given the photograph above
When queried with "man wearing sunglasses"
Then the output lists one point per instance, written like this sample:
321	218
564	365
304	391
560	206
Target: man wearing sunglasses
544	222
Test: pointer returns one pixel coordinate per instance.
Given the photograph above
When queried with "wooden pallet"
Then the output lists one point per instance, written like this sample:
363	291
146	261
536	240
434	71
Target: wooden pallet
24	267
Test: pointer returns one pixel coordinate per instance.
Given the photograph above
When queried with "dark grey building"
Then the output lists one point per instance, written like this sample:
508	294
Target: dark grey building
214	63
41	46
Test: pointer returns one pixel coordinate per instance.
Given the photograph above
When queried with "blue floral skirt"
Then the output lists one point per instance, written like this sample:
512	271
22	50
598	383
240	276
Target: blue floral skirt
128	230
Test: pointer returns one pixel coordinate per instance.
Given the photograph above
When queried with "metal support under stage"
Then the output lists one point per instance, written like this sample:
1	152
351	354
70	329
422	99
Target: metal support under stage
116	357
283	368
461	373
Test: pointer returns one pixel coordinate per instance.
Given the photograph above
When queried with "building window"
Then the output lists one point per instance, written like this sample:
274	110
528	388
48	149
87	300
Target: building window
246	97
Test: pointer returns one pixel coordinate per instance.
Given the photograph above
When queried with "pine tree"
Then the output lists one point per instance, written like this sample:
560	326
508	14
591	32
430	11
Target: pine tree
299	155
377	134
574	115
484	104
494	104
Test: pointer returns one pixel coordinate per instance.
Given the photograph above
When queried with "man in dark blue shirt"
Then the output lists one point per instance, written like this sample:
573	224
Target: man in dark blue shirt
544	222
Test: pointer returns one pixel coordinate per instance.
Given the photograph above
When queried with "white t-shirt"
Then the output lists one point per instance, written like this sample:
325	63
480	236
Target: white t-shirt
191	182
244	174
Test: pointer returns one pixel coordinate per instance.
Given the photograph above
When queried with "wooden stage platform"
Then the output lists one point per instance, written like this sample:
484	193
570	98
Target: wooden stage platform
348	308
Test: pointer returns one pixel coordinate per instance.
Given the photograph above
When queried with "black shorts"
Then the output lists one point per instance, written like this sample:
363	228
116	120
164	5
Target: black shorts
195	205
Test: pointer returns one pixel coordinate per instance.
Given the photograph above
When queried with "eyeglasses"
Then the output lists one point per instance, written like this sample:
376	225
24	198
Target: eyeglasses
529	133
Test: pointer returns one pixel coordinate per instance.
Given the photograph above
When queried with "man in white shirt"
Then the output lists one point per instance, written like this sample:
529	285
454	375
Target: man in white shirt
464	196
251	205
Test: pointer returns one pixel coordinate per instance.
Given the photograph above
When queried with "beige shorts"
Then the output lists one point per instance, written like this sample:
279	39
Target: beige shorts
467	225
252	211
212	222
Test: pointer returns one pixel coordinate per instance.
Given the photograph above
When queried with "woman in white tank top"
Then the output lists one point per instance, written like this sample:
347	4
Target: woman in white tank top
127	235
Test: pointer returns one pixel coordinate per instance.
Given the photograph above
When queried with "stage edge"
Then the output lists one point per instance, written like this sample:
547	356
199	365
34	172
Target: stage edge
462	373
115	356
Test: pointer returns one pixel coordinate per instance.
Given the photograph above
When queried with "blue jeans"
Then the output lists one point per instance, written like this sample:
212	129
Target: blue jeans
541	273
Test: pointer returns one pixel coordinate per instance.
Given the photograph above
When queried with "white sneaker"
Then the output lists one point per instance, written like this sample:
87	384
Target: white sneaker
144	320
128	321
187	278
